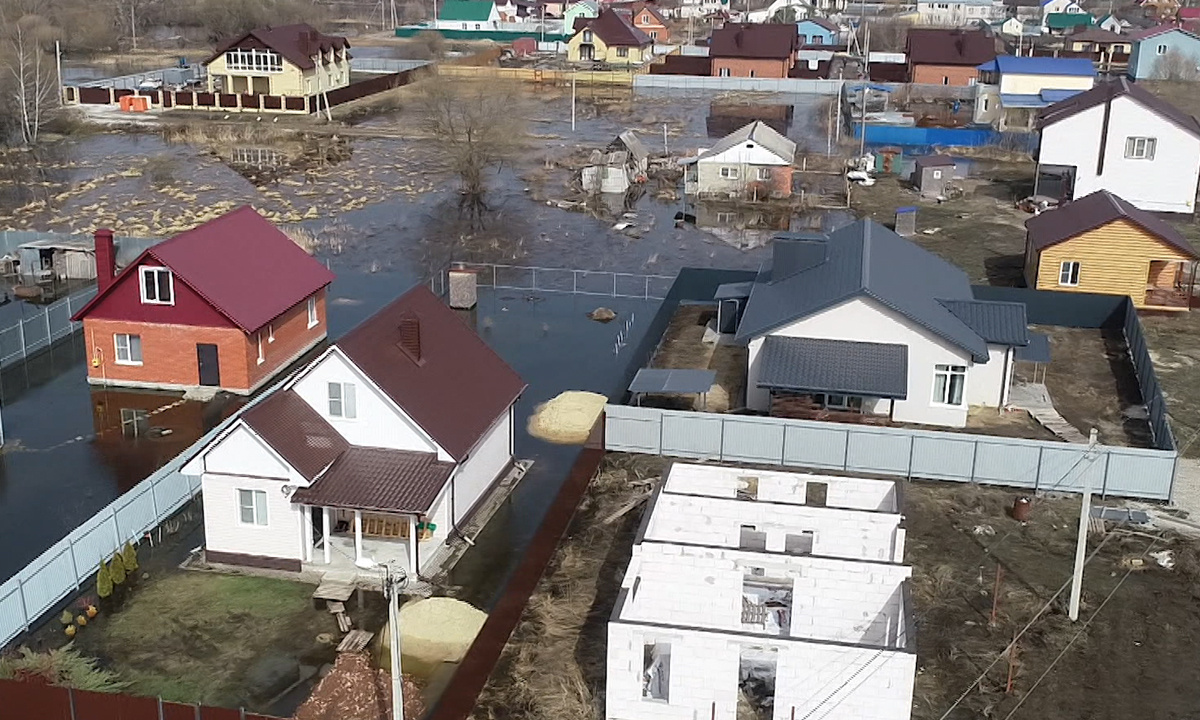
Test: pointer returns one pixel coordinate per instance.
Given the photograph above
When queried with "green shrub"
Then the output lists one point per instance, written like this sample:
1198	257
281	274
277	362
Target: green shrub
104	583
129	558
64	667
116	569
67	617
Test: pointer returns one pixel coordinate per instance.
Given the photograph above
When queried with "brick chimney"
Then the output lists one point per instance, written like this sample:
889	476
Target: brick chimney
106	259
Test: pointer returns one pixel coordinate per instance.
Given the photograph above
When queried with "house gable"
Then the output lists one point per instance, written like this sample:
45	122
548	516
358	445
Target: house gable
243	453
746	153
123	301
378	421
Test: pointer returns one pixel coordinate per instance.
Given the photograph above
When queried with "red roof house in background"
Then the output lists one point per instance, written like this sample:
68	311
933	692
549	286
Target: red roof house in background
225	305
765	51
948	56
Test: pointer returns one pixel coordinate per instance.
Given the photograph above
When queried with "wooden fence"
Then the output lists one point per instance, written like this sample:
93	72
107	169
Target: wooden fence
31	699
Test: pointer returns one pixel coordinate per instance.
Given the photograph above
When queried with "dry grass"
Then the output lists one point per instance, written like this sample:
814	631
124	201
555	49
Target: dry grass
553	667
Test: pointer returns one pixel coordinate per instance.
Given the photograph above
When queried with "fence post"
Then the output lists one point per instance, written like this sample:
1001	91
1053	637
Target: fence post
1104	480
574	282
71	702
21	329
1037	474
721	440
49	332
534	270
614	284
846	452
24	607
662	420
783	447
74	564
975	457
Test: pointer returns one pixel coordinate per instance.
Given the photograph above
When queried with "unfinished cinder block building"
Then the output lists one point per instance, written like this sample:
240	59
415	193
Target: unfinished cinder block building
764	594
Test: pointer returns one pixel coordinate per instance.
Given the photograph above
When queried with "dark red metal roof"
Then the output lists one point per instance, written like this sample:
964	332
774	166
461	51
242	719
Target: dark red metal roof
457	387
298	43
241	264
379	479
615	29
297	432
763	42
945	46
1092	211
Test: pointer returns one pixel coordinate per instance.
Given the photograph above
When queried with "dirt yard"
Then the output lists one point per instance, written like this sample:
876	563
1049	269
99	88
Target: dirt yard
682	348
1174	342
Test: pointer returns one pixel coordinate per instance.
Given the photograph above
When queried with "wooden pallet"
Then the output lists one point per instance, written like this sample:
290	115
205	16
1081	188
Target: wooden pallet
344	622
356	641
336	590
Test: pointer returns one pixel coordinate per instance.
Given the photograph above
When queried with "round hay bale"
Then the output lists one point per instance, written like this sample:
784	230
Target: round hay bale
432	631
568	418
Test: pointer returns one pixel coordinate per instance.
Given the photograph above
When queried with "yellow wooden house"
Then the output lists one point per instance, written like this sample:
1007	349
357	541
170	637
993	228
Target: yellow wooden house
1102	244
609	38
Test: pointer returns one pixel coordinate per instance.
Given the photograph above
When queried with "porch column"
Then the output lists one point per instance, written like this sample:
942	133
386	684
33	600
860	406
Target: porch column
358	535
307	528
412	546
325	521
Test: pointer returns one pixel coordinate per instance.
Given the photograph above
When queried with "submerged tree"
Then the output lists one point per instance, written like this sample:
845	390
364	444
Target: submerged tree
476	126
27	72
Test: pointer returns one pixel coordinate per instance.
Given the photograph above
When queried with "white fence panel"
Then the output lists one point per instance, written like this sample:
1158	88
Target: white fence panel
136	513
171	491
943	458
815	447
48	579
93	542
1134	472
755	442
878	451
631	429
692	435
1000	462
794	86
12	610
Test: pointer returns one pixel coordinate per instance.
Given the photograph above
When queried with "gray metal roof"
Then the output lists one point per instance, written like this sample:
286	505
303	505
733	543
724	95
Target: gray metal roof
758	132
1002	323
811	273
837	366
634	144
1038	349
729	291
654	380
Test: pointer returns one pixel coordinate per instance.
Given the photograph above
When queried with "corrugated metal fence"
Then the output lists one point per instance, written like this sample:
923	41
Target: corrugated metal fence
957	457
30	701
39	331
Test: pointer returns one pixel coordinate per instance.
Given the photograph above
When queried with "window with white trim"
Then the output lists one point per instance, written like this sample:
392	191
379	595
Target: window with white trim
1068	273
1140	148
312	311
764	173
341	400
730	173
158	286
654	35
252	60
252	507
622	52
128	348
724	218
1160	50
723	72
587	35
948	384
135	422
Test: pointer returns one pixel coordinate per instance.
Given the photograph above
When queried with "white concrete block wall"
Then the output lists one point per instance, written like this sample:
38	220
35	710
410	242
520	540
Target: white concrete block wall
783	487
816	680
482	468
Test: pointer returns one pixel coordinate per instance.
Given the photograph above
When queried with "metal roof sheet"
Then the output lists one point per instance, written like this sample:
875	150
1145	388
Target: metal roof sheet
657	380
729	291
945	46
757	132
1105	92
1059	21
380	479
1092	211
1075	67
455	389
734	40
297	43
477	10
1000	323
837	366
297	432
1038	349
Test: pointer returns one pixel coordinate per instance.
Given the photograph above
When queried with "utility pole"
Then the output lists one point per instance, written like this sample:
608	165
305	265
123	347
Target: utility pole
862	130
58	65
133	22
1085	513
393	582
573	102
837	125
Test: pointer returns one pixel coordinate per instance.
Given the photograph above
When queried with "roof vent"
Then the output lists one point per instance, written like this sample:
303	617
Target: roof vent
410	337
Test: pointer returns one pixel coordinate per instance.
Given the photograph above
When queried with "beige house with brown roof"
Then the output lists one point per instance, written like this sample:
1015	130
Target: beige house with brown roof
293	60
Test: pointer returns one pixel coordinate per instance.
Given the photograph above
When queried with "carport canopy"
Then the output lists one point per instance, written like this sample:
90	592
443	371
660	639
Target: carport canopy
672	382
834	366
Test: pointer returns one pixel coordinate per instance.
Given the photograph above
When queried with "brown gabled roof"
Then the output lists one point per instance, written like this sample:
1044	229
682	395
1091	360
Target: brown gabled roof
1093	211
297	432
615	29
1105	92
379	479
939	46
766	42
1098	35
432	364
297	43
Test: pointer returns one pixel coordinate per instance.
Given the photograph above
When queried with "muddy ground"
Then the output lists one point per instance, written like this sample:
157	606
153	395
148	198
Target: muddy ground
682	348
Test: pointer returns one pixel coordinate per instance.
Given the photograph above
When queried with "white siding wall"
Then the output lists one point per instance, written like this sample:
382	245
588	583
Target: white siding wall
863	320
826	681
377	422
224	531
481	468
439	515
1018	84
241	452
1165	184
986	382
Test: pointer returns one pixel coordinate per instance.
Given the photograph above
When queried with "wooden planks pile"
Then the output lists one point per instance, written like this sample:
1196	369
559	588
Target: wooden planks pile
355	641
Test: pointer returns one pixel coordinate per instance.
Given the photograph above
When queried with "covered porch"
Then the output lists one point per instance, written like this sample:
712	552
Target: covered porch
834	380
359	539
1169	285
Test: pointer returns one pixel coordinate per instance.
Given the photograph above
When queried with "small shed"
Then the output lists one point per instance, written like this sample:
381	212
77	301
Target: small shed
932	173
58	259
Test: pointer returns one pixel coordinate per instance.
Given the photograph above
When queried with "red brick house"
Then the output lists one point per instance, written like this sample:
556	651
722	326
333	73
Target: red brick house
647	18
945	56
227	305
764	51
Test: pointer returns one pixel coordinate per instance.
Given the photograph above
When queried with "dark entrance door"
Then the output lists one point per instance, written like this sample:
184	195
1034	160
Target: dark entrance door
210	367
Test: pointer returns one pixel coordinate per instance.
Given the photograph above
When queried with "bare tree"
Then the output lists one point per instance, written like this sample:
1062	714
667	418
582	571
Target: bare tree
476	126
27	71
1176	65
784	15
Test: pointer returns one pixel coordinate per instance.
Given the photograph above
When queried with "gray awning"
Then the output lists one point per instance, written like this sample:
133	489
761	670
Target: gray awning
837	366
729	291
651	380
1038	349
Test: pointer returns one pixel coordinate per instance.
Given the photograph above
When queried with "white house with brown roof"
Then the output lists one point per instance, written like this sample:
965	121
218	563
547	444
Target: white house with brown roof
378	451
292	60
1121	138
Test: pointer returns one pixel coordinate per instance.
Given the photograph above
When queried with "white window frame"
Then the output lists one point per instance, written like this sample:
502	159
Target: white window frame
726	217
155	270
128	347
587	36
949	372
729	173
1140	148
723	72
622	52
253	61
345	403
1068	273
132	420
764	173
312	312
257	507
653	35
1160	50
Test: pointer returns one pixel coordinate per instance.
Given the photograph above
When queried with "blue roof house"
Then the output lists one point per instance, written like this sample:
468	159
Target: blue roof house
1154	49
818	31
1013	89
862	321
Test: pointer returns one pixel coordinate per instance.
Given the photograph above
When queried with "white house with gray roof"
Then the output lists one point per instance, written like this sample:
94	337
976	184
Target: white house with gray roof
861	320
754	161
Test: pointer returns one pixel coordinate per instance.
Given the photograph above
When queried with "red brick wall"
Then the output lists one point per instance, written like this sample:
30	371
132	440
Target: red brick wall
169	351
958	75
741	67
661	34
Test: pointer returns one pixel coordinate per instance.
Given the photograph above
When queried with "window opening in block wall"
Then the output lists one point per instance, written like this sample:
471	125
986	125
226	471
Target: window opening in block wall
656	670
815	493
747	487
751	538
766	603
757	669
801	544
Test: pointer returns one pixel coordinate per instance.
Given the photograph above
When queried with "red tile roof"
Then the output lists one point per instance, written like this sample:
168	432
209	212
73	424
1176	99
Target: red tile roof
765	42
297	432
297	43
940	46
380	479
457	387
241	264
1092	211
